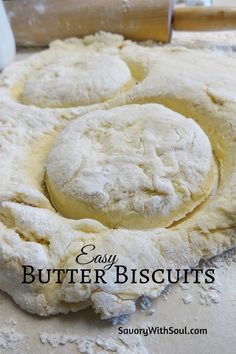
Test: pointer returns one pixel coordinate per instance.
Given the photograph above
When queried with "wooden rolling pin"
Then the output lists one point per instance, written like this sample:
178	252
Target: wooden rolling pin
37	22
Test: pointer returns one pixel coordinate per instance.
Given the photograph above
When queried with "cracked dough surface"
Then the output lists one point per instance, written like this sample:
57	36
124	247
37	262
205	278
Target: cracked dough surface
76	80
198	84
136	166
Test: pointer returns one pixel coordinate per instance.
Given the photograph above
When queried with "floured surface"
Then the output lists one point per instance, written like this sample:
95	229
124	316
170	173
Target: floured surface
22	333
203	89
220	318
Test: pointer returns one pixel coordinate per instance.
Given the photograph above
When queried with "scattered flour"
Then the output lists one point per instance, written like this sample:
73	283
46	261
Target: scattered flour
187	299
120	344
210	293
10	338
184	286
150	312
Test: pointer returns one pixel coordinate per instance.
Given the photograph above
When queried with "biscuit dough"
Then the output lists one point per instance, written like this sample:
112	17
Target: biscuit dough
195	83
138	166
77	80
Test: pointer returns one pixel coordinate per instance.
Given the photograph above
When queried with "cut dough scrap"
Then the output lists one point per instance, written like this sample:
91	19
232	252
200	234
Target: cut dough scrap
195	83
77	80
137	166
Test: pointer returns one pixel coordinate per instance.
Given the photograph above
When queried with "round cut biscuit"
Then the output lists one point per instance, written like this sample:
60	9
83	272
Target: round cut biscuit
77	80
137	166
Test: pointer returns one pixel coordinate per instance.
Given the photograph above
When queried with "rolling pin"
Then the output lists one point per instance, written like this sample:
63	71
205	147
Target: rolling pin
38	22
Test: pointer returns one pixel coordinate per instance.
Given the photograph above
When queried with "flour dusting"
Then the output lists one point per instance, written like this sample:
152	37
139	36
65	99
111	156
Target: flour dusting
105	345
10	338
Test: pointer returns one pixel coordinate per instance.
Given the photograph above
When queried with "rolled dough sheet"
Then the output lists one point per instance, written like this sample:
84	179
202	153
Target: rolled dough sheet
21	332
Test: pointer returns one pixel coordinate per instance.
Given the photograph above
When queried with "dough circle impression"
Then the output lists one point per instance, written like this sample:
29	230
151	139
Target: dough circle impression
136	166
77	80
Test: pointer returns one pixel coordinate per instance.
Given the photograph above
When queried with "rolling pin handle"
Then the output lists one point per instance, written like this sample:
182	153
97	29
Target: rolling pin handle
204	19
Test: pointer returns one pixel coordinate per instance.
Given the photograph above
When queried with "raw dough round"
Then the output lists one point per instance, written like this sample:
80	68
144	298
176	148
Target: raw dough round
136	166
77	80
